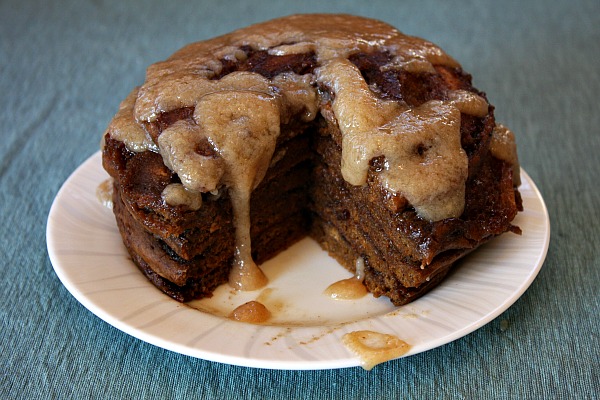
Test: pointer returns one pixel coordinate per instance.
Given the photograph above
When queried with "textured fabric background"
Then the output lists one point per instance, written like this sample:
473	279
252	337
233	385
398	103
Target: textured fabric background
66	65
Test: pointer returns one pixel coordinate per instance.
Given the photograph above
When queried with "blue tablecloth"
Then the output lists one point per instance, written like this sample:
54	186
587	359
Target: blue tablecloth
66	65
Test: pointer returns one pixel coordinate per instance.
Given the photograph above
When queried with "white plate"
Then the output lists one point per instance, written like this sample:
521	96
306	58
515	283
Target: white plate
89	258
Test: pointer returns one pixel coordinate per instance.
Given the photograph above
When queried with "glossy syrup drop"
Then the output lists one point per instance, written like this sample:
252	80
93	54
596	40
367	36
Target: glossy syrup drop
374	348
252	312
351	288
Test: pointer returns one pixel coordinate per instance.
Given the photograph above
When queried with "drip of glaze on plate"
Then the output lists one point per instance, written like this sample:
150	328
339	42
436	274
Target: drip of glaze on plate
374	348
243	127
351	288
252	312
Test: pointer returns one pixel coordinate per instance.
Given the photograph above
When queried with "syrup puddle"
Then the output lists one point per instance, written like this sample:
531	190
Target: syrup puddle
295	295
351	288
252	312
374	348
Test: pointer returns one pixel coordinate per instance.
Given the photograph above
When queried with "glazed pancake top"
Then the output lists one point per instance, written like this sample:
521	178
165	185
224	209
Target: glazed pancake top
235	117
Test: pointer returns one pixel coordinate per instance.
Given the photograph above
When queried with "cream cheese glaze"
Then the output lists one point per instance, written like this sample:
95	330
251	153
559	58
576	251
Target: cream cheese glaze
374	348
350	288
240	116
125	128
503	147
424	158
